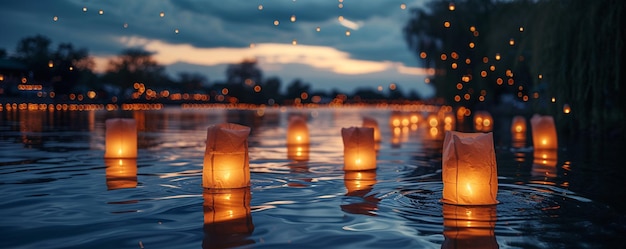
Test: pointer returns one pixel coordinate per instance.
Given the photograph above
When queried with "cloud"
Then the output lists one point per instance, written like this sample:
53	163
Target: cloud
321	57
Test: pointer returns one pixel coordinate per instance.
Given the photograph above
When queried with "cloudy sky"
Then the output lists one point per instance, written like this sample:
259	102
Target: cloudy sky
339	44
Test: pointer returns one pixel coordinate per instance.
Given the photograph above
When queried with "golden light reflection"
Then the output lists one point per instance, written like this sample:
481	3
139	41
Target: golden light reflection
469	226
121	173
227	218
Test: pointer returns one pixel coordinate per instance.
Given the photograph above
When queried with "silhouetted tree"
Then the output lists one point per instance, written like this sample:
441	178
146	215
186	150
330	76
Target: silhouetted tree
135	65
69	65
192	82
34	52
295	89
242	78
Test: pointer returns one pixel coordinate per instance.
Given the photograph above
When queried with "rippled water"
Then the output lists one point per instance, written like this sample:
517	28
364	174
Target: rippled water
57	192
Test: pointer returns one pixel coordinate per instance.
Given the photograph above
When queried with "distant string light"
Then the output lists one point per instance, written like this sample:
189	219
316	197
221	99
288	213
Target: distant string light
101	12
84	9
260	7
403	6
162	14
55	18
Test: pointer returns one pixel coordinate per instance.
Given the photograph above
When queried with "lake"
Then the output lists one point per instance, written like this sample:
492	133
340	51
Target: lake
58	191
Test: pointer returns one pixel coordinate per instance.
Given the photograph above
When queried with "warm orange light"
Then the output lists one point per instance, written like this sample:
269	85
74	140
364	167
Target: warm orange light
226	162
297	131
120	138
469	169
469	226
543	132
566	109
121	173
518	131
298	152
483	122
227	218
372	123
544	164
359	150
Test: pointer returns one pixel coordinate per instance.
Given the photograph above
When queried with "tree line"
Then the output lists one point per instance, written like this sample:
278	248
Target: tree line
68	70
563	58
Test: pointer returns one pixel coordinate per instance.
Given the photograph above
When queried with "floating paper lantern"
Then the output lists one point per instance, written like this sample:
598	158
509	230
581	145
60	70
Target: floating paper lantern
449	121
121	173
226	163
372	123
469	169
483	122
395	120
518	132
359	151
469	226
120	138
543	132
298	152
227	218
359	184
297	131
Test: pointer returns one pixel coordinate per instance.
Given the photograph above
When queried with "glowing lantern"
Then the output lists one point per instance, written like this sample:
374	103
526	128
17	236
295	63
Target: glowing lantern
372	123
469	226
544	132
121	173
396	119
566	109
518	131
227	218
359	151
483	121
121	138
469	169
297	131
359	184
226	163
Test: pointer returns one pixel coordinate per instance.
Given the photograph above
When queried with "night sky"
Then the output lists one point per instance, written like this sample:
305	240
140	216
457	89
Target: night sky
205	36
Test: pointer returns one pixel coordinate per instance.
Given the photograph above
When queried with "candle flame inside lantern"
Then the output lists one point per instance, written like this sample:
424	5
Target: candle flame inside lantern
469	169
543	132
359	148
226	163
121	138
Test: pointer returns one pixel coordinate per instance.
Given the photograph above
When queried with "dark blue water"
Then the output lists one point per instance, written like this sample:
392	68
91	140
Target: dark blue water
57	192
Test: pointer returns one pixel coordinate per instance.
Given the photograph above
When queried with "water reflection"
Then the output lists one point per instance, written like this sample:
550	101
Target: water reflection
469	226
227	218
298	153
121	173
359	184
544	166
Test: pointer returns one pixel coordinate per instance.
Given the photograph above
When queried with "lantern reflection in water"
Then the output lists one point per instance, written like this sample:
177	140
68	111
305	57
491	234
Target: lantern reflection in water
121	138
544	166
518	132
469	226
469	169
121	173
359	151
543	132
227	218
359	184
226	162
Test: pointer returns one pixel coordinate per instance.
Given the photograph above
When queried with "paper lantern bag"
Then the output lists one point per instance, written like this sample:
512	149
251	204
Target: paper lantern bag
469	169
359	150
226	163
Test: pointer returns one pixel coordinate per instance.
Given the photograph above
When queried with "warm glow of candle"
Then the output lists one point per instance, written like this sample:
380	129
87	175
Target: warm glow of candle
543	132
297	131
226	162
120	138
469	170
359	148
483	122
